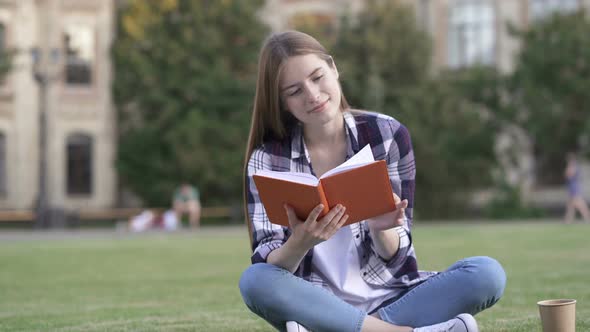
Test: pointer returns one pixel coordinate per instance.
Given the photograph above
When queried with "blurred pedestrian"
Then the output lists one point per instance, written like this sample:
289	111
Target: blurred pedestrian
575	200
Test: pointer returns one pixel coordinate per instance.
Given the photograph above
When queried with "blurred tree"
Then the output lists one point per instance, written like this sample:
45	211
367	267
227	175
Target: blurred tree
5	64
323	27
6	56
549	87
453	145
380	54
384	62
183	85
513	158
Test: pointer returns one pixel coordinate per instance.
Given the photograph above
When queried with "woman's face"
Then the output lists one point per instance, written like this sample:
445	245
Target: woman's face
309	89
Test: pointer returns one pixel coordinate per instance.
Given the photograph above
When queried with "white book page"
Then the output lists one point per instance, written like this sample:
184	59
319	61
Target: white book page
303	178
363	157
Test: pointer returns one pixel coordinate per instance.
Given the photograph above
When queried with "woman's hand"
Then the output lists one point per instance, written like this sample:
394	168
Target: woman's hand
389	220
310	232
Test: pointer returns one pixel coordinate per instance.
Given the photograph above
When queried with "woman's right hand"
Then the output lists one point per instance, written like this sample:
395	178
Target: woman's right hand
312	231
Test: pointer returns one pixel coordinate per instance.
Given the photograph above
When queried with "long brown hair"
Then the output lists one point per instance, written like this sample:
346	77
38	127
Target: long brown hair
269	120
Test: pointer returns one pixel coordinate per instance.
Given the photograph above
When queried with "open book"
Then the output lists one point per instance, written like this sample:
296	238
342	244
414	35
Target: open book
361	184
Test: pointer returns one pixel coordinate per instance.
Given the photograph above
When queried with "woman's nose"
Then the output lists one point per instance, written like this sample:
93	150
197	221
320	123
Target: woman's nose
313	93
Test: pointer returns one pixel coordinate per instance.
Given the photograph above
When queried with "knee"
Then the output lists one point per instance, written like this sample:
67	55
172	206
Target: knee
256	282
488	278
248	281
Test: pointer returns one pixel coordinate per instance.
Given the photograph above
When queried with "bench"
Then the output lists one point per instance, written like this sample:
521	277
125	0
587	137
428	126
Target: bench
16	215
114	213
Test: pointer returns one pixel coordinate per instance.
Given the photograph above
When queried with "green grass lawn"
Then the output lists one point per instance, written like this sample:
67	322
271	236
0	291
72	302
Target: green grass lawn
188	281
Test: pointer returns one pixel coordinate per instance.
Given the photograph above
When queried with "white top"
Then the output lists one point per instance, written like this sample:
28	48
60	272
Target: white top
338	262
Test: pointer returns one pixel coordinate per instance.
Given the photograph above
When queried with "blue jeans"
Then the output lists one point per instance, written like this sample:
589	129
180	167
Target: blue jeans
470	285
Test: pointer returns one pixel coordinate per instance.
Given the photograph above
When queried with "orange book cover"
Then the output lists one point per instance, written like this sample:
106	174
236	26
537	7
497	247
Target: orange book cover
361	184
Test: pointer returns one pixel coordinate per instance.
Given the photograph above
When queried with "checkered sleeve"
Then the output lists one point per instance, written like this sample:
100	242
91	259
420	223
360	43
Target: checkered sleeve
402	267
265	235
402	174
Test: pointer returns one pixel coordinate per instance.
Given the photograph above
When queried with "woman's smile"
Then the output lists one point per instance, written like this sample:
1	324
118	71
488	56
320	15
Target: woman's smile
320	108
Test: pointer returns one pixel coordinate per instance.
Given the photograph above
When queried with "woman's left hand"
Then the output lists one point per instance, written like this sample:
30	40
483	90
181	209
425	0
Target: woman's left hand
391	219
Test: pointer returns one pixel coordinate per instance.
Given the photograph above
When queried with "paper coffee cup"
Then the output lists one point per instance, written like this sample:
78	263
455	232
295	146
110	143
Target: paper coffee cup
558	315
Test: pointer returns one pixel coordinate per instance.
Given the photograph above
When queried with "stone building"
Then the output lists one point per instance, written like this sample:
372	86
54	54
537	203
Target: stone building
73	39
67	43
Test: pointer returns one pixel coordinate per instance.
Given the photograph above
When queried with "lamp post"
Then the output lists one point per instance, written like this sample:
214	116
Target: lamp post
44	74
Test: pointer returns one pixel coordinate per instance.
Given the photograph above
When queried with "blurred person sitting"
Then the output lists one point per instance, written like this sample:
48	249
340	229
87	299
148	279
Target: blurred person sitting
142	222
152	220
186	201
575	199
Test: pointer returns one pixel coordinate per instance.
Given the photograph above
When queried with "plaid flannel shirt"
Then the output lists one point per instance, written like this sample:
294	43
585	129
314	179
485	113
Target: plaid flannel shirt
389	141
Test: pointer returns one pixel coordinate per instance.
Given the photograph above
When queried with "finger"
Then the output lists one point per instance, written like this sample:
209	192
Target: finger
314	214
291	216
396	199
333	223
401	219
331	215
402	205
342	222
336	226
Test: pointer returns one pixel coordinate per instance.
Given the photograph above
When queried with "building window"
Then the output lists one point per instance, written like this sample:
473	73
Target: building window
542	8
472	33
424	14
79	164
3	185
79	45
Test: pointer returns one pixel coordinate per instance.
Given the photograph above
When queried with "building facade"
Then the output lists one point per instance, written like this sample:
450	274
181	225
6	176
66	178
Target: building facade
468	32
73	39
464	32
66	45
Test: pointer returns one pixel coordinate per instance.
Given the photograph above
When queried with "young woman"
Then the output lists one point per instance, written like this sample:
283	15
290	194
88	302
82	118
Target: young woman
361	277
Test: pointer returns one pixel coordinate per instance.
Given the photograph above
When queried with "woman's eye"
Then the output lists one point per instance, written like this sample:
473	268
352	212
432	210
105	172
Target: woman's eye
317	78
294	92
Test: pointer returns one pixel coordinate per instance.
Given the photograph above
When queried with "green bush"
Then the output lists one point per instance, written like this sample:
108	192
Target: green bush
507	204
